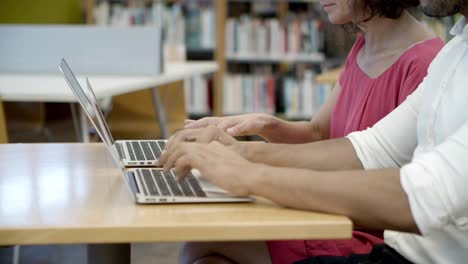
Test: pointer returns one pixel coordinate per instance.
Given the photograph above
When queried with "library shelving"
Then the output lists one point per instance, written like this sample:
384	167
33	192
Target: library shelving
189	30
270	55
295	22
241	60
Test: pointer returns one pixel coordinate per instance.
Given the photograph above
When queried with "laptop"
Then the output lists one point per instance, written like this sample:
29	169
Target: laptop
149	185
142	153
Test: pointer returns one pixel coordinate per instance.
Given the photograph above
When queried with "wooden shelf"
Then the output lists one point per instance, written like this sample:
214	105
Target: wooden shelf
3	127
277	1
329	77
200	50
220	55
276	58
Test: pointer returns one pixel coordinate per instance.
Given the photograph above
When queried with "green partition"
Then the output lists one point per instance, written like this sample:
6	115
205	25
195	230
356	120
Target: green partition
40	11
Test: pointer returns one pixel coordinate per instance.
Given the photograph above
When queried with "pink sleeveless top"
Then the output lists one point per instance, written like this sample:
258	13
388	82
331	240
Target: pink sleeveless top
362	102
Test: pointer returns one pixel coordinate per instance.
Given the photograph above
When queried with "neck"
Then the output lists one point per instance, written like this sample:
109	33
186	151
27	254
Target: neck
380	32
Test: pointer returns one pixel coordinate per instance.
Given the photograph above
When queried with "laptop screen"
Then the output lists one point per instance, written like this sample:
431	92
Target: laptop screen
88	103
100	116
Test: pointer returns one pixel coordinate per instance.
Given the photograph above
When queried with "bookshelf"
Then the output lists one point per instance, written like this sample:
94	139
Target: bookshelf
260	66
189	28
231	63
290	65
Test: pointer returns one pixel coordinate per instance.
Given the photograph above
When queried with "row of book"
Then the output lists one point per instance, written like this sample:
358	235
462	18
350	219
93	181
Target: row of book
298	98
297	34
191	23
200	26
198	95
303	98
249	93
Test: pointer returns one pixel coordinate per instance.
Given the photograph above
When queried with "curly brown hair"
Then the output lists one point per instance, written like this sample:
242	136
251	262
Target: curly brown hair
392	9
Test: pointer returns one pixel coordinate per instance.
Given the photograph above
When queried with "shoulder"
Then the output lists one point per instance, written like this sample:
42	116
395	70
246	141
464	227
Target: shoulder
415	63
419	56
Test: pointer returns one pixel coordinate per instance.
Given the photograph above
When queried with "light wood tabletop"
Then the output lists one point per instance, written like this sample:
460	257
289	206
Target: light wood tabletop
72	193
21	87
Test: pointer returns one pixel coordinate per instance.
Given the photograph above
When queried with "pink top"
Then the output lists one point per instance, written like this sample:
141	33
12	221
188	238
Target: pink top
362	102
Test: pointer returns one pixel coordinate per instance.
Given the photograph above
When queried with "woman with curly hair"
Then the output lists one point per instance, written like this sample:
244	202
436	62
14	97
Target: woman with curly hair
386	64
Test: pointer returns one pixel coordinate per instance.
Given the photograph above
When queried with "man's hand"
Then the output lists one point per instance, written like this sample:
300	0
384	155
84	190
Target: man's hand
240	125
217	163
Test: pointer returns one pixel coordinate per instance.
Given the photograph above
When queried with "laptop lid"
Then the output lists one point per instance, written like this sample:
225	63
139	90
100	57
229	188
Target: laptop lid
87	100
91	109
99	114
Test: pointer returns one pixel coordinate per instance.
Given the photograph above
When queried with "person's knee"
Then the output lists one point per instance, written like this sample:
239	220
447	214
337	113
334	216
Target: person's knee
214	259
191	252
224	252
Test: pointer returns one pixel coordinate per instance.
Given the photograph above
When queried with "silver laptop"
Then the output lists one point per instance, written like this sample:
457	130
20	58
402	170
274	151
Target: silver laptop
148	185
141	153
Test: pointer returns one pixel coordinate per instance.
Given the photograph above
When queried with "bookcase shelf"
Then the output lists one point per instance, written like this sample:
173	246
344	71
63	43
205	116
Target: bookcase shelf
271	50
276	1
313	58
200	50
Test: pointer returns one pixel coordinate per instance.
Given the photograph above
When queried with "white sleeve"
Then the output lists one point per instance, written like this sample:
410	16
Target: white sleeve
391	142
436	184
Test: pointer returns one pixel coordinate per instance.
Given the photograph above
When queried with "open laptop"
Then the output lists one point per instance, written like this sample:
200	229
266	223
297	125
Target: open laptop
142	153
148	185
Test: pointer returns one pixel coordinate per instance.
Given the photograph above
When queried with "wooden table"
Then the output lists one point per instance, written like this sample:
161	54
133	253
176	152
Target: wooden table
72	193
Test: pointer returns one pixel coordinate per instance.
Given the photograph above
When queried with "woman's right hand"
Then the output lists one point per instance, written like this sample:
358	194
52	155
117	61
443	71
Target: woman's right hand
239	125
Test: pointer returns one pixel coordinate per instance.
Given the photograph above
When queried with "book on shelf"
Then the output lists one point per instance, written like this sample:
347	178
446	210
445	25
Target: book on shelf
304	97
263	92
200	24
198	95
249	93
297	34
190	24
264	7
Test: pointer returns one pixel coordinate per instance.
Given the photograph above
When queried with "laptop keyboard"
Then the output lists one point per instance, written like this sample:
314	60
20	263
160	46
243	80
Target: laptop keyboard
144	150
147	150
160	183
130	150
120	151
138	151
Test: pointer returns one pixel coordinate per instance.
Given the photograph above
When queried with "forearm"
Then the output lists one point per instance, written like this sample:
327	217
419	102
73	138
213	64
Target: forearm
372	199
280	131
336	154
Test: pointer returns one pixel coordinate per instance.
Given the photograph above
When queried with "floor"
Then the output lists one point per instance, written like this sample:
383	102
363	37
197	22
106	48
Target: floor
164	253
62	130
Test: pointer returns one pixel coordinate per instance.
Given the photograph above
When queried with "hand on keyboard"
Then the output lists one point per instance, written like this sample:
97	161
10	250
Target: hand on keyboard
238	125
217	164
202	135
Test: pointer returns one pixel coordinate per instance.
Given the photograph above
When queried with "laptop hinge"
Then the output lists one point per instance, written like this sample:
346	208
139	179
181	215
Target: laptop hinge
132	182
